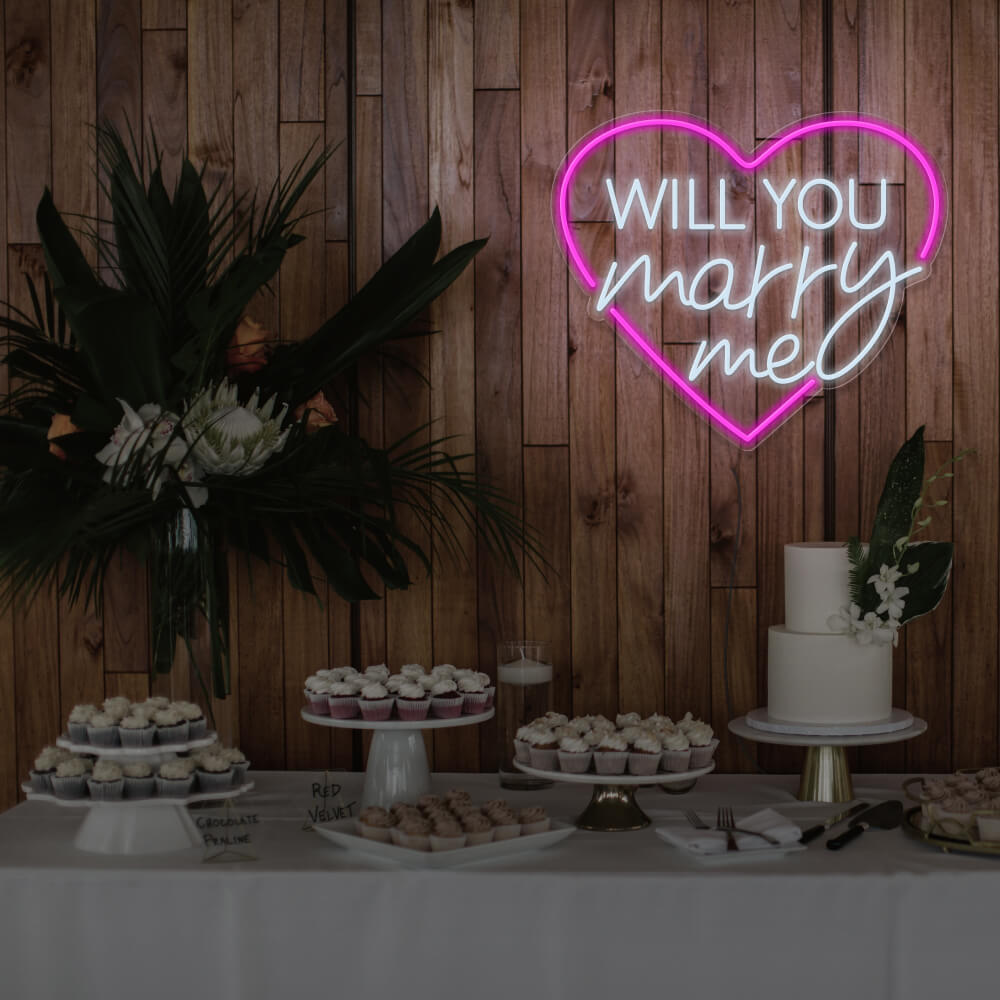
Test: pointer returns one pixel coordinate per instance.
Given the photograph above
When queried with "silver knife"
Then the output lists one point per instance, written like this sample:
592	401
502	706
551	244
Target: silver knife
815	831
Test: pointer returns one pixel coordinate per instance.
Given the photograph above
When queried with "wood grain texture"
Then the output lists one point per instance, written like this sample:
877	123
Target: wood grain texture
542	147
301	61
734	672
119	62
337	118
497	54
368	47
880	85
210	88
778	57
164	14
164	111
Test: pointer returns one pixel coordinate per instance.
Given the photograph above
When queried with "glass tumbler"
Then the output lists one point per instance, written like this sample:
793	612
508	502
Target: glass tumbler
524	692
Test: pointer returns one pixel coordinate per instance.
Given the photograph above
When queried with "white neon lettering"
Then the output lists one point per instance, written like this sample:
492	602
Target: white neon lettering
730	367
779	200
852	206
692	225
636	192
673	206
722	209
758	283
804	282
830	186
774	362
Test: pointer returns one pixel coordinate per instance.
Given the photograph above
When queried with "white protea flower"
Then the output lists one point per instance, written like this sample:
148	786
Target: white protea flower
230	438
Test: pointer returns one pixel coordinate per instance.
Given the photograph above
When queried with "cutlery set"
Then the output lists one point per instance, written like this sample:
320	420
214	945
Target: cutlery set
862	816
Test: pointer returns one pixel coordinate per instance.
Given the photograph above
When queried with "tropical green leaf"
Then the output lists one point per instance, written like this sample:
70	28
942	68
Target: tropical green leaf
928	584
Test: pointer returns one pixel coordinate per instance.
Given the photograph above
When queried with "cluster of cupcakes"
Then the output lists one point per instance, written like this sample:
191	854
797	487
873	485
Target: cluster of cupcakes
69	775
642	747
378	695
965	804
119	722
446	823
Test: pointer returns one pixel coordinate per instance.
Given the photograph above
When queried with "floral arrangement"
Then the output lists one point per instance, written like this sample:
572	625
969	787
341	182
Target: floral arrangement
151	412
894	578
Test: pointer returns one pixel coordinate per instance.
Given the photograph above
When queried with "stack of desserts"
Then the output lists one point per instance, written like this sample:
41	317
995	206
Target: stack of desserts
592	743
69	775
445	823
377	695
135	725
965	805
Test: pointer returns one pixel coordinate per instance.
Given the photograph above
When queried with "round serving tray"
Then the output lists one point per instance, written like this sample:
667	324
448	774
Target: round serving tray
612	807
897	720
913	824
119	752
397	725
151	801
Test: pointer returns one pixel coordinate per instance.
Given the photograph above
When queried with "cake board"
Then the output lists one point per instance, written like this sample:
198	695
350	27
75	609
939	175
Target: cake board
825	775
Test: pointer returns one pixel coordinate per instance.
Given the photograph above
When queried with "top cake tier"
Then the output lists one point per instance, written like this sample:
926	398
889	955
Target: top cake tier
816	584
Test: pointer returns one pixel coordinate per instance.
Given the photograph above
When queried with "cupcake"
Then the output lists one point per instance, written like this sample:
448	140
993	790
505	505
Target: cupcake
70	779
446	700
136	731
377	672
317	692
522	748
215	773
412	701
195	717
456	795
533	819
152	705
644	758
553	719
506	825
78	720
102	730
703	744
343	700
413	832
340	673
117	708
444	670
676	756
447	835
106	782
394	682
375	702
478	829
239	764
171	726
611	755
429	801
427	681
473	695
175	779
45	767
543	748
376	824
622	720
574	755
411	670
139	780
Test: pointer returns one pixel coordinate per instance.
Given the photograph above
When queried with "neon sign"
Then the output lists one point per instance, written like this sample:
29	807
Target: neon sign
672	206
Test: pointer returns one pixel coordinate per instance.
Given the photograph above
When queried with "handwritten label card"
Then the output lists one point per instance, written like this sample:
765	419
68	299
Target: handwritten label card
328	804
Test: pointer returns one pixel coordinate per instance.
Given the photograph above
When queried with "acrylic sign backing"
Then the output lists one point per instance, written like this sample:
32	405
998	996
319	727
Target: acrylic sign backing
750	251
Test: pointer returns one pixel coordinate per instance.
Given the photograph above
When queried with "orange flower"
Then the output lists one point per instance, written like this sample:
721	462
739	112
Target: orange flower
317	411
60	426
249	349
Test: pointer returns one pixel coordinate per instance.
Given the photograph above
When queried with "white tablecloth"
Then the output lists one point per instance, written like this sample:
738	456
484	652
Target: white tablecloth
600	915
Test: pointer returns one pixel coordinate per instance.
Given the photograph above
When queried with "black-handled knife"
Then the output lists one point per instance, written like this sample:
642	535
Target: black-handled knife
820	828
884	816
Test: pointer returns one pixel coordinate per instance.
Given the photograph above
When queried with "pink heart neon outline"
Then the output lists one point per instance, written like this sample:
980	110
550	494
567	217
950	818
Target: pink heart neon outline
928	244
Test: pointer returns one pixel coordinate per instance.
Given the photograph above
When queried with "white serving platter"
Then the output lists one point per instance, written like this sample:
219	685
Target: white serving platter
396	725
592	778
154	801
896	721
119	752
343	832
724	857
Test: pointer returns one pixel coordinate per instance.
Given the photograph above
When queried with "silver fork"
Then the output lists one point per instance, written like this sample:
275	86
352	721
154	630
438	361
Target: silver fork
695	820
725	820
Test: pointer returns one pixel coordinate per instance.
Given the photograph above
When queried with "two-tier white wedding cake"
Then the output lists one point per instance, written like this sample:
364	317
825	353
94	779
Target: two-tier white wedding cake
817	676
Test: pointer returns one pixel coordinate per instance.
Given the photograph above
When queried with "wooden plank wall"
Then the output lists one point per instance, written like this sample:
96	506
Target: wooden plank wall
471	105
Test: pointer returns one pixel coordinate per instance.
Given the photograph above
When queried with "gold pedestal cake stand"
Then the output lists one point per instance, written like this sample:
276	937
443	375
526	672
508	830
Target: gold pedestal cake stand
612	807
825	775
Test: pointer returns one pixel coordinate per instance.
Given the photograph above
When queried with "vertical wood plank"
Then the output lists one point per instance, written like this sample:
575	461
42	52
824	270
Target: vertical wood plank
29	118
498	360
338	97
164	112
368	47
543	145
975	286
593	581
741	669
880	85
126	614
210	88
134	686
497	55
778	53
451	107
301	60
164	14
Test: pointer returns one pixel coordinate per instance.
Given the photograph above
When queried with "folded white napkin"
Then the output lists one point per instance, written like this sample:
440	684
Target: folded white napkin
714	841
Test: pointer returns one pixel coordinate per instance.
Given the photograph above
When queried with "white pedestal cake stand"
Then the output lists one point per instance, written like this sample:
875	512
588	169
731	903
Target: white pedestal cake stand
138	826
612	806
397	762
825	774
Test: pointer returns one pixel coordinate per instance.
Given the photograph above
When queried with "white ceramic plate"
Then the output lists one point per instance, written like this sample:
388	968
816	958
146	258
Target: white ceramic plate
592	778
724	857
397	725
119	753
152	801
343	832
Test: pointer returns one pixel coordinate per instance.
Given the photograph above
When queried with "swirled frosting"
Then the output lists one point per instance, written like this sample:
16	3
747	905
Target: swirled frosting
646	743
613	742
675	740
82	713
374	692
75	767
175	770
106	770
444	685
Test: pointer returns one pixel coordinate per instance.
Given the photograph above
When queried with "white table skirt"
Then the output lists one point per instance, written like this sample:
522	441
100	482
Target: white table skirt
600	915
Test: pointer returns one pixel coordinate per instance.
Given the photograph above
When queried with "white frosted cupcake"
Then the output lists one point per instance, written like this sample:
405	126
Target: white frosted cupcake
624	719
574	755
343	700
375	823
375	702
136	731
473	695
215	773
78	720
195	718
522	748
413	832
70	779
447	835
117	708
444	670
478	829
644	757
611	755
703	744
394	682
533	819
446	699
239	762
377	672
45	767
543	747
102	730
175	779
506	825
106	782
412	701
171	726
139	780
317	692
676	756
412	670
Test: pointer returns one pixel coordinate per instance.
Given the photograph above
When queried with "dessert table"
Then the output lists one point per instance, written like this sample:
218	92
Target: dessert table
598	915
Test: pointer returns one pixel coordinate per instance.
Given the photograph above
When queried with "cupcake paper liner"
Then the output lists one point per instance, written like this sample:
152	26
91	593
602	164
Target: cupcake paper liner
174	788
676	761
474	703
74	787
240	772
106	736
539	826
439	843
197	728
343	707
544	760
377	710
413	710
78	732
41	781
415	841
610	761
479	837
642	764
319	704
574	763
215	781
139	788
173	734
491	694
137	737
446	708
702	756
507	832
522	751
106	791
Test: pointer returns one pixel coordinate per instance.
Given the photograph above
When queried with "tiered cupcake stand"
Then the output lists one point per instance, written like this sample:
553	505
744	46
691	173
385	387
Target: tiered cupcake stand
138	826
826	776
612	806
397	762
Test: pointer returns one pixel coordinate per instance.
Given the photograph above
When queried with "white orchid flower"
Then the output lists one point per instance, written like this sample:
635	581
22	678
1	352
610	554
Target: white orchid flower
885	580
894	603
